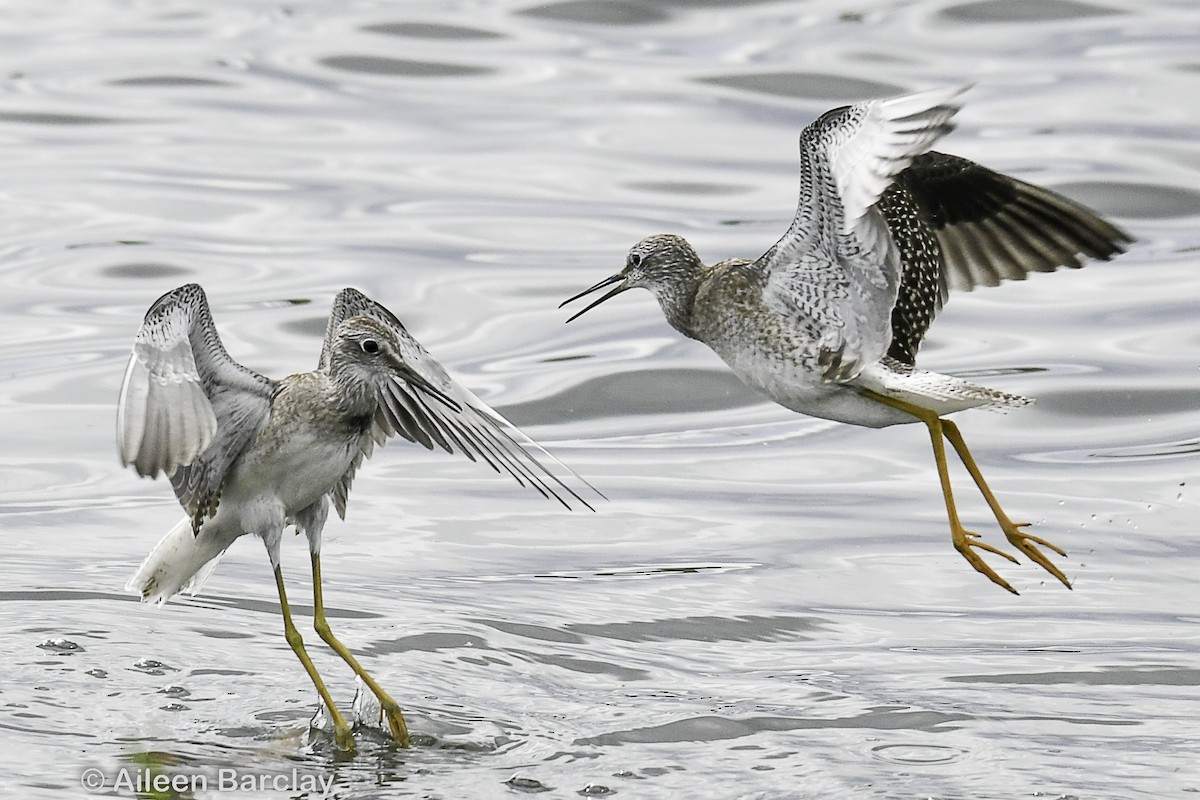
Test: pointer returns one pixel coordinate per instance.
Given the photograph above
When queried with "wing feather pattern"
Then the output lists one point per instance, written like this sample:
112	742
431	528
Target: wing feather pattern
958	225
442	413
836	272
885	228
186	408
993	227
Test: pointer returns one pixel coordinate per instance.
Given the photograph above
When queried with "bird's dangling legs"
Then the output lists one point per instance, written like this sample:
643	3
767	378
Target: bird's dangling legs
345	740
1026	543
388	707
965	541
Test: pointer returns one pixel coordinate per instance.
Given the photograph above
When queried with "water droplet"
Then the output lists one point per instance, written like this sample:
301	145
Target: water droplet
320	720
98	673
152	667
595	790
175	691
365	707
523	784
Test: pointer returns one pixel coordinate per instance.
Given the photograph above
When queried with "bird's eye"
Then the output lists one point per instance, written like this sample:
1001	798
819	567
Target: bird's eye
370	346
635	260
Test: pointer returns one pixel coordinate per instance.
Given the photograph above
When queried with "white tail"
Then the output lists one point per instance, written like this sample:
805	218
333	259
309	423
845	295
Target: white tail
181	562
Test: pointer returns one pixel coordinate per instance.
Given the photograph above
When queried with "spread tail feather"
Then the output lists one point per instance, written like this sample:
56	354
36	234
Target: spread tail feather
939	393
181	562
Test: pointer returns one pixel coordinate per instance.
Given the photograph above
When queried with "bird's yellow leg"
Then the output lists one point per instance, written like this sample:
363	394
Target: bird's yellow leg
388	707
1026	543
965	541
342	734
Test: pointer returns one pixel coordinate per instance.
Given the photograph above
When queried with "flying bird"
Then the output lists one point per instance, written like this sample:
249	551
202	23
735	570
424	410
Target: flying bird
828	321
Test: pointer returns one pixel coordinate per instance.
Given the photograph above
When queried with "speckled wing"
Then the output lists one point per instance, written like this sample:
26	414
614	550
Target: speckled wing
985	228
186	408
451	417
837	265
993	227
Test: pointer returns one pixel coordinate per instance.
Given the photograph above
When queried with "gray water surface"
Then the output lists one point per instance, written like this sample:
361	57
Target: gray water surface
769	606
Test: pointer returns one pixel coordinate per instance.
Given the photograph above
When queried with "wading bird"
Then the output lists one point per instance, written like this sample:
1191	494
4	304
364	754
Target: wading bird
828	321
247	454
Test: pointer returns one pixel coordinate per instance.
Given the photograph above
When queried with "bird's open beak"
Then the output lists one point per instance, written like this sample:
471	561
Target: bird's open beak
618	278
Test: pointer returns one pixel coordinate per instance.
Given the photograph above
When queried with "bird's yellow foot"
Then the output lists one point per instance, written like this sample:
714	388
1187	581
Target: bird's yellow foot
343	737
389	709
965	542
1027	543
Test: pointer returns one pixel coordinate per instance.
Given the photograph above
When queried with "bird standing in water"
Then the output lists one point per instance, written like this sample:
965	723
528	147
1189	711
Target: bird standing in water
828	321
247	454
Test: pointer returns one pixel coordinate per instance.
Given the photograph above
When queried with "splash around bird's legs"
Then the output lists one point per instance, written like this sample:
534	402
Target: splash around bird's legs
345	740
387	706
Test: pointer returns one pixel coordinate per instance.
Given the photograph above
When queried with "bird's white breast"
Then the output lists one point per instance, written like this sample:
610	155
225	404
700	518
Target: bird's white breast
293	462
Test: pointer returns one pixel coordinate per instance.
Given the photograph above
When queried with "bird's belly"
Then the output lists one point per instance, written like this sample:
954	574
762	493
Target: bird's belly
291	473
781	358
800	388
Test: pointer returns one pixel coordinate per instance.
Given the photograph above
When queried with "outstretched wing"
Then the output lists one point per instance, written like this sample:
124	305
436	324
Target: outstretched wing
445	414
992	227
837	269
959	225
186	408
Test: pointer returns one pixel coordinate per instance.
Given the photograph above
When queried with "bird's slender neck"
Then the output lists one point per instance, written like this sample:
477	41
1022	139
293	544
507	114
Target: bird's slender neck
351	392
675	289
677	308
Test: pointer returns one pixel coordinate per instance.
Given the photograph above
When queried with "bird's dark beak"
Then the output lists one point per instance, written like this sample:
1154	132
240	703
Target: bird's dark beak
618	278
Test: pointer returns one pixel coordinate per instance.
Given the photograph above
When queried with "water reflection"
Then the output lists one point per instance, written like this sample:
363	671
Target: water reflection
45	118
1137	200
1025	11
614	12
813	86
383	65
177	81
430	30
720	728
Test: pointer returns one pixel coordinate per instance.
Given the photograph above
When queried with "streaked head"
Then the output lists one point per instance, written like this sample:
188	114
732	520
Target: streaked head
367	344
370	352
665	264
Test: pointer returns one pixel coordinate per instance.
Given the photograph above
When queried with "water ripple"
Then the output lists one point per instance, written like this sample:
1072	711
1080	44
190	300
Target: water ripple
407	68
808	85
1025	11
